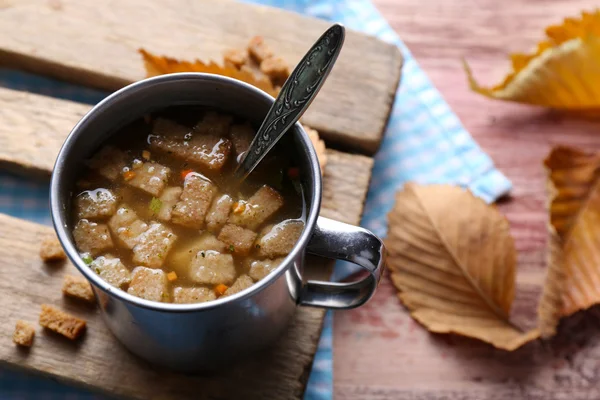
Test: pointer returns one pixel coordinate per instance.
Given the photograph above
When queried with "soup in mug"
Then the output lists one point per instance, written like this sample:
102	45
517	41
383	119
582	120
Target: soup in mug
157	213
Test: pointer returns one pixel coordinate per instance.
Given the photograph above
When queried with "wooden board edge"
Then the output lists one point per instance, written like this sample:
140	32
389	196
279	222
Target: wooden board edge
78	76
336	139
49	376
32	172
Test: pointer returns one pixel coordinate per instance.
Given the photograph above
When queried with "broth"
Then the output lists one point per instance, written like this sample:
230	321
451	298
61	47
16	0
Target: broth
157	213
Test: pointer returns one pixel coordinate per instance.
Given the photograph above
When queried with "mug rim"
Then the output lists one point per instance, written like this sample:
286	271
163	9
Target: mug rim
58	212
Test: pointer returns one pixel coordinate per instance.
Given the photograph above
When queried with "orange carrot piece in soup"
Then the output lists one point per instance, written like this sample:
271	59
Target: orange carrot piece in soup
172	276
128	175
185	173
220	289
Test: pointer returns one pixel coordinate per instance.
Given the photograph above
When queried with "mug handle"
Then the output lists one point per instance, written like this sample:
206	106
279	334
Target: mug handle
340	241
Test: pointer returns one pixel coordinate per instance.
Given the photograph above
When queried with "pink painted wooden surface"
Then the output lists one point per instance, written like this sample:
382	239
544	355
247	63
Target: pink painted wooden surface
380	352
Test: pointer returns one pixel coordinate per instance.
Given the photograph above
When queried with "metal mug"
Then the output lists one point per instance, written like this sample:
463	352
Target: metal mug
201	336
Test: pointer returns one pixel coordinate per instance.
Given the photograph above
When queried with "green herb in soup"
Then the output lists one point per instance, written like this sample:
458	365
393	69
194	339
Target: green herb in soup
157	213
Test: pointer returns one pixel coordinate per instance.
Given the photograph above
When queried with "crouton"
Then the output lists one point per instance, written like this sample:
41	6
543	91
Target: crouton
262	205
259	50
192	295
235	57
60	322
214	124
172	276
78	287
211	268
153	246
96	204
126	226
51	250
241	283
182	255
240	240
150	177
241	136
167	128
109	162
279	240
319	145
193	146
260	269
112	271
24	333
92	237
149	284
276	69
194	202
169	198
218	213
254	70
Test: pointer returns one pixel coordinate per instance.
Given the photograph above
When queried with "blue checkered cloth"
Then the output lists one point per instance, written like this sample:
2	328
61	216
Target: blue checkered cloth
424	142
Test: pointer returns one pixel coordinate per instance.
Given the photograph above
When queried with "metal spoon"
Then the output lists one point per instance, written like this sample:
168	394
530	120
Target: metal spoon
295	96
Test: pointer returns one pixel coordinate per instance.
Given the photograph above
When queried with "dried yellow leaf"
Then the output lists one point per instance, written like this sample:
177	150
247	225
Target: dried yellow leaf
453	262
574	210
561	74
160	65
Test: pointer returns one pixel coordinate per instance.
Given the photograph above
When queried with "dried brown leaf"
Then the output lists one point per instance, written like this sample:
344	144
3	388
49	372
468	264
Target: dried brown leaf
551	301
160	65
571	175
573	269
453	261
573	172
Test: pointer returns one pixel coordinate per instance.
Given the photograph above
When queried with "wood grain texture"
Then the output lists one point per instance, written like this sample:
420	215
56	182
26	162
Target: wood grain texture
345	183
99	362
104	53
32	130
379	351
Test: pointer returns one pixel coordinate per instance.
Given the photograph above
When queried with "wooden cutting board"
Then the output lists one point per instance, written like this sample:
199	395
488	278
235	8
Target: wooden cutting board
99	361
96	45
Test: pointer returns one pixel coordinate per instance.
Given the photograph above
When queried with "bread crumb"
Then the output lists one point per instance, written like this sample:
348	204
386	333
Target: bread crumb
235	57
241	283
172	276
24	333
78	288
61	322
319	146
51	250
258	49
276	69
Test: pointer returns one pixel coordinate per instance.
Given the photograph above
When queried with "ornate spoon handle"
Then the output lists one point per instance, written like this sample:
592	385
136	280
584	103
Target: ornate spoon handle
295	96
